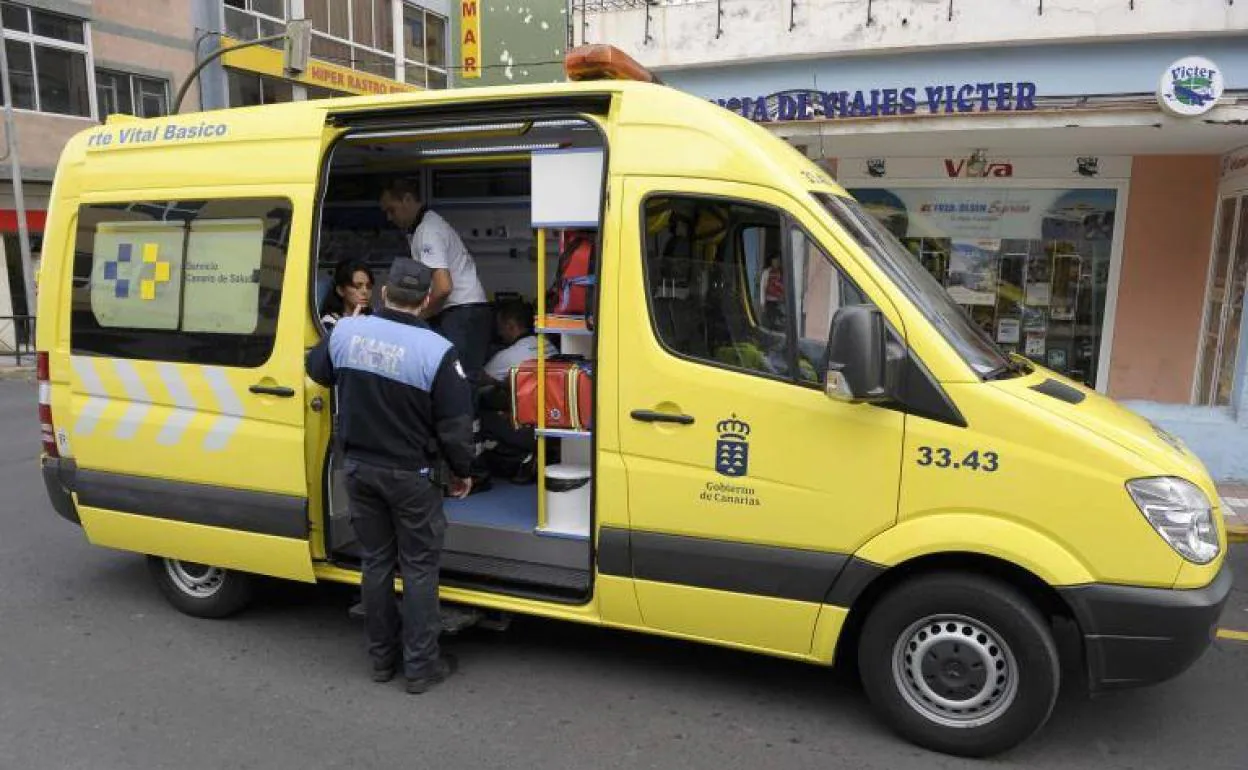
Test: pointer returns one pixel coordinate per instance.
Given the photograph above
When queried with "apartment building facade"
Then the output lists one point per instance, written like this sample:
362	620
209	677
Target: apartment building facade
1075	172
379	46
71	63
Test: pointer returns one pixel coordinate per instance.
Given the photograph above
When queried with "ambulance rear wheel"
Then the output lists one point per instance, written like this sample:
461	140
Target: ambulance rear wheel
960	664
201	590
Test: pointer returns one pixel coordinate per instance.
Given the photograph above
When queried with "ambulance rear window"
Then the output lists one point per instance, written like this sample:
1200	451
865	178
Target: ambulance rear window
180	281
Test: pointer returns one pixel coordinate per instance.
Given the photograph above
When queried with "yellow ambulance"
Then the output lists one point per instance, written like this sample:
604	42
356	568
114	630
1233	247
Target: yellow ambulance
799	445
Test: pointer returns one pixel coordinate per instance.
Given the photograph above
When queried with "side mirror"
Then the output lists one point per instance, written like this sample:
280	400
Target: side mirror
863	366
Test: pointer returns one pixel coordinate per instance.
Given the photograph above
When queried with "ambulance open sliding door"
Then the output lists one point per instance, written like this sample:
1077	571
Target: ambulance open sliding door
188	383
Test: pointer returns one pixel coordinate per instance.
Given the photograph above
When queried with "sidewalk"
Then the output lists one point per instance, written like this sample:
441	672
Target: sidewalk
1235	510
24	372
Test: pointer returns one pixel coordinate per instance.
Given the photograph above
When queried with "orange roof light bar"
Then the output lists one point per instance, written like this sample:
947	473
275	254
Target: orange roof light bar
605	62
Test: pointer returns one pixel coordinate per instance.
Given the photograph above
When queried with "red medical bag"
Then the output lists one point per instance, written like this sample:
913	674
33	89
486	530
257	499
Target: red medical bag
574	275
569	393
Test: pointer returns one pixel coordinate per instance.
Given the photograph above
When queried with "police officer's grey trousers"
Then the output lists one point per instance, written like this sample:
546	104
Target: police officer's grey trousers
397	516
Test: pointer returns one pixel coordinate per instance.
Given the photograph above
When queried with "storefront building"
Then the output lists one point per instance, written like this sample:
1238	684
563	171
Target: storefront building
379	46
357	47
71	64
509	42
1083	200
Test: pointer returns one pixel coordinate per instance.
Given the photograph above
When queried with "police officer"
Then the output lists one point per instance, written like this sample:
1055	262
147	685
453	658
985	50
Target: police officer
457	307
404	405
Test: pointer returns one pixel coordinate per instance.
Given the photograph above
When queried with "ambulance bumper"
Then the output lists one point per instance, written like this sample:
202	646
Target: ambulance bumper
1140	636
58	477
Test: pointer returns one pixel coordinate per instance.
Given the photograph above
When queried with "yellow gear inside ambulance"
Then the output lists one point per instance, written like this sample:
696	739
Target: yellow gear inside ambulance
798	444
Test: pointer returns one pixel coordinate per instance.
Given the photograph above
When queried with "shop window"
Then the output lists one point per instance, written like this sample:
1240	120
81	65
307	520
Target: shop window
1029	267
247	90
1224	306
720	281
321	93
119	92
180	281
48	61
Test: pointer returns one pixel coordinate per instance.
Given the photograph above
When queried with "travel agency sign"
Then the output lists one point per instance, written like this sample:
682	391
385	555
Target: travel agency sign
1190	87
947	99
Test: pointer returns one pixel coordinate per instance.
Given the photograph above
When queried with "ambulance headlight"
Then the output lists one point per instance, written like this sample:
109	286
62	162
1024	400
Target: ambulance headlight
1180	513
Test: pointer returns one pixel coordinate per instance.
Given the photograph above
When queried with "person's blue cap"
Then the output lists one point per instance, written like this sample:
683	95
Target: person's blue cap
409	275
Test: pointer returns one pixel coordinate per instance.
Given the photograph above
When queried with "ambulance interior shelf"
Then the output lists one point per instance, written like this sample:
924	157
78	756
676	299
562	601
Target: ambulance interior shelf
564	488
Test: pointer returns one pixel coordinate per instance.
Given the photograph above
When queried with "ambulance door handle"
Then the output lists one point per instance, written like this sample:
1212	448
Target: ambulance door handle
273	390
647	415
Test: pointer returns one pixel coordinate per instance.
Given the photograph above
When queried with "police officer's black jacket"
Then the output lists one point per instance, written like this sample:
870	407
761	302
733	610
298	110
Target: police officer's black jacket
402	394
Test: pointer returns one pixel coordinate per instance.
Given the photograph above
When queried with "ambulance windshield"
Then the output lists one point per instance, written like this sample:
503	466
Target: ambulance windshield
971	342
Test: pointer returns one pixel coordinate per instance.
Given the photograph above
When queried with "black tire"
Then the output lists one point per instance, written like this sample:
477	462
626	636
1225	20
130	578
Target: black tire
975	638
200	590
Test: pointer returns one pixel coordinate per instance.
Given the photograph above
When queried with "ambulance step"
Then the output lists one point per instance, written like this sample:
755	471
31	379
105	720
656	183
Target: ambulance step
489	568
457	617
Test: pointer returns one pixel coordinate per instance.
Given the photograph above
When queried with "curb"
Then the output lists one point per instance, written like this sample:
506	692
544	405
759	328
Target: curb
17	373
1236	524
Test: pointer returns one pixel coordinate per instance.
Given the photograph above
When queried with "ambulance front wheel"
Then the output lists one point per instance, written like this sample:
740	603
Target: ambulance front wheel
960	664
201	590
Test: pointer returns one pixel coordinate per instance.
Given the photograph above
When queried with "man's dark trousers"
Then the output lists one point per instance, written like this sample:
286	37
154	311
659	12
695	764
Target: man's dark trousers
468	328
397	516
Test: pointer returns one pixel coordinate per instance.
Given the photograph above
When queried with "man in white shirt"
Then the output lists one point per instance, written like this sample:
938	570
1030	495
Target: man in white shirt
458	308
514	322
509	451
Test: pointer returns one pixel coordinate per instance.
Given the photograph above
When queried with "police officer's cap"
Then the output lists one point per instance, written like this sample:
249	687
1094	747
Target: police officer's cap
410	275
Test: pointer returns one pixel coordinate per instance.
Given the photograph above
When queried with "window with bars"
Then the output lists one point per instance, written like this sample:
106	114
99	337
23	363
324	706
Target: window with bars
49	67
121	92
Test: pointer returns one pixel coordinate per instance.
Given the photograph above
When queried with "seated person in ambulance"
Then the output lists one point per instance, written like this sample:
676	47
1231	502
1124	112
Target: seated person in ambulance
513	320
508	451
350	294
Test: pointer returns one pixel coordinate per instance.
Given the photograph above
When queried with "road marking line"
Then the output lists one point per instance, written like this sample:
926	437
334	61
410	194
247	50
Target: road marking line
1239	636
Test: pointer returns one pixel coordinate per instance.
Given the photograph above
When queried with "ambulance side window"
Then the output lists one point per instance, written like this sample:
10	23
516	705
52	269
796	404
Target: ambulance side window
717	284
821	289
180	281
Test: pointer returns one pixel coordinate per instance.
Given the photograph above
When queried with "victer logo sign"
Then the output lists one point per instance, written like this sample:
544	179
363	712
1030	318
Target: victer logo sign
1190	87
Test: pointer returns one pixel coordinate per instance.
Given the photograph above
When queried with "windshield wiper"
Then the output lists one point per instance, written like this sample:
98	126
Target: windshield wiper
1014	366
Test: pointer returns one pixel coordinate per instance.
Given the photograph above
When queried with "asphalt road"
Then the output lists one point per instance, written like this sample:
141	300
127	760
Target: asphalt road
97	671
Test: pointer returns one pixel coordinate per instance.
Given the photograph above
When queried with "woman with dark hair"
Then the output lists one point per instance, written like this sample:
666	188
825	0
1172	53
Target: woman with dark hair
353	287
